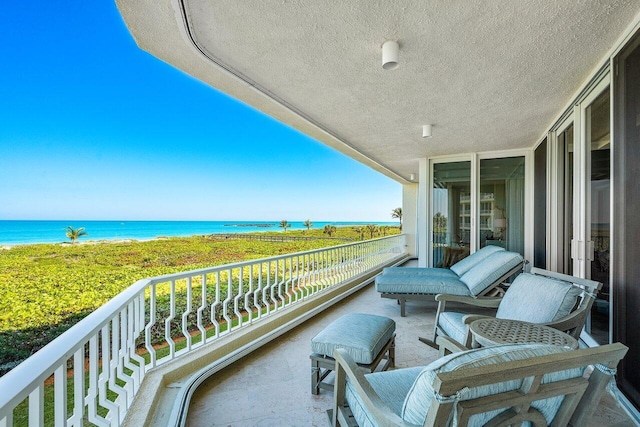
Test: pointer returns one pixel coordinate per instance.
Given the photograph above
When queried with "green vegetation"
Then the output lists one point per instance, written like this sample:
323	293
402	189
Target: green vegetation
47	288
284	224
397	213
329	230
308	224
74	233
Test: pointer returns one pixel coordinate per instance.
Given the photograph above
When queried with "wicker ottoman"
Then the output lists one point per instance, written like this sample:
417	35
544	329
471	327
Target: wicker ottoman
368	338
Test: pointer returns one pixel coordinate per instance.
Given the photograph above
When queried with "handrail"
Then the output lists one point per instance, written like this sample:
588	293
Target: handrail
161	318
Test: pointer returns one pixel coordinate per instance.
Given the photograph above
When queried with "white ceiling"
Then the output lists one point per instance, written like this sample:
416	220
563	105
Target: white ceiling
488	74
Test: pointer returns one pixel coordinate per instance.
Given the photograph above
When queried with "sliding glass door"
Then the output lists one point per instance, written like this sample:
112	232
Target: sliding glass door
451	212
474	203
501	203
580	215
596	112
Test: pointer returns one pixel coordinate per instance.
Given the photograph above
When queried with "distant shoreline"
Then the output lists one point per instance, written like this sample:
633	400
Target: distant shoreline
223	227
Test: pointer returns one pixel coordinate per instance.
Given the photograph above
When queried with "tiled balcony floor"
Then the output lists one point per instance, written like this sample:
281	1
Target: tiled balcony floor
272	386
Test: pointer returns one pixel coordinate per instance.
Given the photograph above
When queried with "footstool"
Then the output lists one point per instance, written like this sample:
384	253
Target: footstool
368	338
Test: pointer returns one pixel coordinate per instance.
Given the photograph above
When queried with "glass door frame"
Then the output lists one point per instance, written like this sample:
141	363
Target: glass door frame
581	244
556	194
450	159
585	246
528	194
474	159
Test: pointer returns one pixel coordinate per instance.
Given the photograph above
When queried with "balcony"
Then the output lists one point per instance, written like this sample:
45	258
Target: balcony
112	367
272	386
170	350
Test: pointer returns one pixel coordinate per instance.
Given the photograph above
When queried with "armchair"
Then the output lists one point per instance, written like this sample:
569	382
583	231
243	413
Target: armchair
552	299
504	385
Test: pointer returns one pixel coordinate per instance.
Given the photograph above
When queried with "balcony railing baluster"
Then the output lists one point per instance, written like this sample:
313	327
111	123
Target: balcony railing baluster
114	347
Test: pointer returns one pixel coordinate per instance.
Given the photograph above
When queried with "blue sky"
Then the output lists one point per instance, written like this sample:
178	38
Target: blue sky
92	127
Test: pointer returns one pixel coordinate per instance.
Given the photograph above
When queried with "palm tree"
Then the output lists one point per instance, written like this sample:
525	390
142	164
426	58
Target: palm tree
284	224
372	228
397	213
308	224
74	233
360	231
329	229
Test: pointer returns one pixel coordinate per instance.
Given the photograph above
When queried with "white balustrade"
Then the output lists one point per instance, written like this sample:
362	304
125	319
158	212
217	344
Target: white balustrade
91	373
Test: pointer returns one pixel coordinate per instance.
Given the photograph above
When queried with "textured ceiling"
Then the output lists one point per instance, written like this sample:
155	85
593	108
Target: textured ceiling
488	74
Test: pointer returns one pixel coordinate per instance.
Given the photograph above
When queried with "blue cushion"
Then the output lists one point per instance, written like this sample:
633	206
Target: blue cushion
490	270
391	386
439	272
362	335
419	284
538	299
451	323
466	264
420	396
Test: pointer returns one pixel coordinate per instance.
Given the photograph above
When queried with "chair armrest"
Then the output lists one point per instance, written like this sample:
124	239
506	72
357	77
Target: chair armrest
490	302
375	407
447	344
573	323
473	317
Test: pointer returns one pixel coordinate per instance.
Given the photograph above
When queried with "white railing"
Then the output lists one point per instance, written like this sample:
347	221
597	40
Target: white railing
91	373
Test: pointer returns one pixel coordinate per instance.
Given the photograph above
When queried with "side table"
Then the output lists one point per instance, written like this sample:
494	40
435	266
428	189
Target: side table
492	331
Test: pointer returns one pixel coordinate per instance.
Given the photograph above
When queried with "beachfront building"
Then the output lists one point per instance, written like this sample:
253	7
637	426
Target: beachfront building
515	124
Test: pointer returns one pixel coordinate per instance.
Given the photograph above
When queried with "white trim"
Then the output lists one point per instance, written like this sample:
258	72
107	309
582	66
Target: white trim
425	183
474	184
429	162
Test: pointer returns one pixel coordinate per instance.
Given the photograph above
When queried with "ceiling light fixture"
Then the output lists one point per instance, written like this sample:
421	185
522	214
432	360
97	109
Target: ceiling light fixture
426	131
390	55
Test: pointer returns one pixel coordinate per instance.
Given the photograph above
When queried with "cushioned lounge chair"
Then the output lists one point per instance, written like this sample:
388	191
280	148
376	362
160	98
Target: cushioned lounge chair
544	297
457	270
498	386
473	277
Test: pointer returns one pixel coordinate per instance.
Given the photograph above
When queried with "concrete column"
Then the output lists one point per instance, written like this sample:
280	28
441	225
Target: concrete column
410	216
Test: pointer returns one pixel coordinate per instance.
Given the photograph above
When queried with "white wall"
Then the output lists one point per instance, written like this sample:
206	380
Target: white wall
410	217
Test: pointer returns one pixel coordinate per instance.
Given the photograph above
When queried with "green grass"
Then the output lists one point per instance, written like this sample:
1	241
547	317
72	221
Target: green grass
47	288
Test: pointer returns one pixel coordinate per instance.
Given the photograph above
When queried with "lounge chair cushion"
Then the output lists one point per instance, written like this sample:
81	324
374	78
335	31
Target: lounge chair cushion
537	299
436	272
362	335
466	264
392	387
452	325
479	277
417	402
420	284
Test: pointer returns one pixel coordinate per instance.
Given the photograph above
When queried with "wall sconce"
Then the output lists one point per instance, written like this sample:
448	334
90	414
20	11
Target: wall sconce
426	131
412	177
390	54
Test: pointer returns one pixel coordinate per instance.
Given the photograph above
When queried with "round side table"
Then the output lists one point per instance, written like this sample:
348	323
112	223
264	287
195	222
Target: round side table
492	331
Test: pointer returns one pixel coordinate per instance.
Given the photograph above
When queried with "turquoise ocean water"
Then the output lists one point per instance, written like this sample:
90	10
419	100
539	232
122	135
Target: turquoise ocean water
27	232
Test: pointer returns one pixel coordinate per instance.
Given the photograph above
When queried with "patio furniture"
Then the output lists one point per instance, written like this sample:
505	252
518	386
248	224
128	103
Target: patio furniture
456	270
472	277
503	385
491	331
540	296
367	338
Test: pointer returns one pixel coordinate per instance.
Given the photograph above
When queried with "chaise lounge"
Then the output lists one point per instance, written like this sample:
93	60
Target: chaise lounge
477	275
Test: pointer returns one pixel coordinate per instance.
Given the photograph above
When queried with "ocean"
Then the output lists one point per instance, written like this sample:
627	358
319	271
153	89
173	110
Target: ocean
17	232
